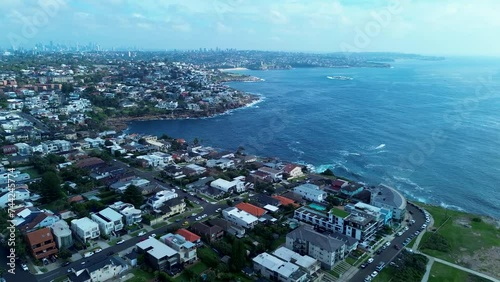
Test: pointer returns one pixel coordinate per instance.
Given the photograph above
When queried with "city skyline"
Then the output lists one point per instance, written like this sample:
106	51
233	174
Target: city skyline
453	27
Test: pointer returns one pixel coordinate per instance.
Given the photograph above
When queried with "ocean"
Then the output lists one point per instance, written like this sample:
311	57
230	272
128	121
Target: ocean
429	128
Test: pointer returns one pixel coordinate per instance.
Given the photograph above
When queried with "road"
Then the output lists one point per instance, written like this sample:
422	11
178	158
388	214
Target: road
390	253
25	276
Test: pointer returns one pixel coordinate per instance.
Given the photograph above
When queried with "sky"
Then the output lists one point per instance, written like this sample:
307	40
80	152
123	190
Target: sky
437	27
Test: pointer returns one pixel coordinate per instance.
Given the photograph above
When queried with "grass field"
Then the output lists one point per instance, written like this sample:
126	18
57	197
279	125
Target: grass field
141	276
462	233
197	269
444	273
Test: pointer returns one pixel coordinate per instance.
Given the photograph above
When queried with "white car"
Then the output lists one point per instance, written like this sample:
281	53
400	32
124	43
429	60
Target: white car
387	244
98	250
88	254
406	228
218	210
152	236
24	266
370	260
142	233
203	216
374	274
120	242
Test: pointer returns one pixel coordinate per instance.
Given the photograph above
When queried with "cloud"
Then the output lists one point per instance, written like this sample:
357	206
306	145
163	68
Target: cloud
222	28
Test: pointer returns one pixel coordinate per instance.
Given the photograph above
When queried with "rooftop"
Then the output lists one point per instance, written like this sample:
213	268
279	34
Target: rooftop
307	234
156	248
339	212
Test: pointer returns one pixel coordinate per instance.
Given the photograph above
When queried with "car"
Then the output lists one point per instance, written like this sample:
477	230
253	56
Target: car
69	270
83	262
178	220
416	233
197	218
399	233
406	228
427	221
424	226
24	266
218	210
370	260
193	214
66	264
397	247
387	244
88	254
384	247
392	263
374	274
363	265
123	241
204	215
379	251
142	233
152	236
368	279
185	223
98	250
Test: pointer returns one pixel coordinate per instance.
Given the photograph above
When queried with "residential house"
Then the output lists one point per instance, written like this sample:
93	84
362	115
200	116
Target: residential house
239	217
156	201
292	171
279	270
251	209
305	262
158	255
185	248
188	235
62	234
306	241
351	189
310	192
41	243
275	174
102	269
129	212
85	229
19	194
210	233
109	221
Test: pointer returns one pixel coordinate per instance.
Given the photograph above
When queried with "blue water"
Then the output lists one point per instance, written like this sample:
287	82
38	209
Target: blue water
317	207
429	128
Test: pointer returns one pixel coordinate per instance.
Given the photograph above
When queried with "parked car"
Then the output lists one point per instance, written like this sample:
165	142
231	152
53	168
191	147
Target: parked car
387	244
120	242
370	260
397	247
379	251
98	250
66	264
374	274
24	266
142	233
88	254
152	236
363	265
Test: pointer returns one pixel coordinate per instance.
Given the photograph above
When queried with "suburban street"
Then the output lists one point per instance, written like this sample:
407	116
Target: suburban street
390	253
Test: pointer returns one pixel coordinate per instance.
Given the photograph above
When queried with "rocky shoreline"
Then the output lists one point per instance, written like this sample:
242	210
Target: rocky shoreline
121	123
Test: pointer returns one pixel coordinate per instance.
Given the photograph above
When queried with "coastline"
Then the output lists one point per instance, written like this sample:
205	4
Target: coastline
233	69
121	124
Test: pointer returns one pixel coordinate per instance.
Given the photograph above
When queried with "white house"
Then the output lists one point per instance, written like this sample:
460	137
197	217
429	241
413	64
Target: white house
310	192
19	194
109	220
85	229
239	217
129	212
156	201
274	268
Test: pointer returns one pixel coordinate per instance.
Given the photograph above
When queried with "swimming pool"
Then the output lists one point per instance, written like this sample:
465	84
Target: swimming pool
317	207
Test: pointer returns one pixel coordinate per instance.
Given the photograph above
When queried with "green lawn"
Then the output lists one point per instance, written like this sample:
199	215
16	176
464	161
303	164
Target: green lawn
207	198
141	276
444	273
385	275
464	235
198	268
350	260
32	172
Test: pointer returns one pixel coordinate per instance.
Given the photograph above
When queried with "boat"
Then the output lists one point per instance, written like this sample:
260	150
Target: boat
340	77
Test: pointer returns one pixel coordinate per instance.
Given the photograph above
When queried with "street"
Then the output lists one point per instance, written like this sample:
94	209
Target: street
390	253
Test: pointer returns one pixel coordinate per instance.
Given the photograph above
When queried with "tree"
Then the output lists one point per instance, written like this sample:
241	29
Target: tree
133	195
64	254
50	187
238	256
108	143
196	141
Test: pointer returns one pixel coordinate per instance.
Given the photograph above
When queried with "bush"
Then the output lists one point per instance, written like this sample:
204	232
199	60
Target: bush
477	219
437	242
